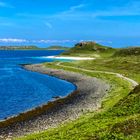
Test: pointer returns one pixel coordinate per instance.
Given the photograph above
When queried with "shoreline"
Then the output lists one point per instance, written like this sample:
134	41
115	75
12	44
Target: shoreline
87	97
69	58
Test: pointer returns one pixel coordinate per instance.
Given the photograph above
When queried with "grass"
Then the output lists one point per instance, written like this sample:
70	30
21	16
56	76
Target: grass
130	51
91	49
118	85
128	66
119	116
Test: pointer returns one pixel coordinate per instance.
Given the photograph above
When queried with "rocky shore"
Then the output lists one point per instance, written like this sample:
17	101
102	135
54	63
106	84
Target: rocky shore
88	97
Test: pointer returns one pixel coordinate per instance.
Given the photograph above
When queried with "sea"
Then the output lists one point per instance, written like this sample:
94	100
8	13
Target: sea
22	90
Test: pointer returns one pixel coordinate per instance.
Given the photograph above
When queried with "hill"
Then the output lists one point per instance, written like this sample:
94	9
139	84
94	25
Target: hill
32	48
57	48
92	48
128	51
19	48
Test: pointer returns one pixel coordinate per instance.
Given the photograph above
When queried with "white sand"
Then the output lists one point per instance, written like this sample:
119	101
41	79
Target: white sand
69	58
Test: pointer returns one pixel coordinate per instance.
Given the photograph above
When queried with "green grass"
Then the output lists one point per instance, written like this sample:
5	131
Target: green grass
90	49
119	87
119	116
130	51
128	66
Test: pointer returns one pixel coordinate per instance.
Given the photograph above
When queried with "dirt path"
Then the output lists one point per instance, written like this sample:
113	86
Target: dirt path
133	82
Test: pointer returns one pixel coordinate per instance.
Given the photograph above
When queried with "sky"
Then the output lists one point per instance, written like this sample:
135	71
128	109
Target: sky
114	23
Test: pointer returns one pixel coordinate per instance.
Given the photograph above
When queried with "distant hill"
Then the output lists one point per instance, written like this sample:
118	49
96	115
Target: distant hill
89	47
19	48
128	51
57	48
32	48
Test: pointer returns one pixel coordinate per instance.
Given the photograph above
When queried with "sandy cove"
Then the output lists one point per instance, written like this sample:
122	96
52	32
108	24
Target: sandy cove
88	96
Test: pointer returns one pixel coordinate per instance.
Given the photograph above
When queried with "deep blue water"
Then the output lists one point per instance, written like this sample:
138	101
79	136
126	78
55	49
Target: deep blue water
21	90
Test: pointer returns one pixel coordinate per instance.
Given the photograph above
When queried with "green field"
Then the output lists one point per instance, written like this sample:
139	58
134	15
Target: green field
119	116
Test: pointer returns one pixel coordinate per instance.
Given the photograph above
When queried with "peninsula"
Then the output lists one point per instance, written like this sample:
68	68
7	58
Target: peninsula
104	106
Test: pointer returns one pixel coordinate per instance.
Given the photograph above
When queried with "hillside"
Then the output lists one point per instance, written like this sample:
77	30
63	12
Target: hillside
119	116
32	48
128	51
57	48
122	122
90	48
19	48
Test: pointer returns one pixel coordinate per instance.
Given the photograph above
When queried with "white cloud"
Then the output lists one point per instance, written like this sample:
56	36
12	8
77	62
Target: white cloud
76	7
72	11
75	12
12	40
54	41
15	40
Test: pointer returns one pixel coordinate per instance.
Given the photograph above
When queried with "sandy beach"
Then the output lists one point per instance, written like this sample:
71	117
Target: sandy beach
69	58
88	97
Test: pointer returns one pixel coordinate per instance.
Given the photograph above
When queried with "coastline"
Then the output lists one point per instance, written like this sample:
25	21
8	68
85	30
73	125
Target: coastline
87	97
69	58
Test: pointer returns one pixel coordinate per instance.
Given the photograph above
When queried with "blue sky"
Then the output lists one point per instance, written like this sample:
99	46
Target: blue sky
66	22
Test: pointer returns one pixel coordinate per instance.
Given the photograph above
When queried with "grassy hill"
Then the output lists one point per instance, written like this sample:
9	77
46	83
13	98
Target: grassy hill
57	48
32	48
128	51
19	48
90	48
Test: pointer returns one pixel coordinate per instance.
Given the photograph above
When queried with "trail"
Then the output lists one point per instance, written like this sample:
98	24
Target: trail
133	82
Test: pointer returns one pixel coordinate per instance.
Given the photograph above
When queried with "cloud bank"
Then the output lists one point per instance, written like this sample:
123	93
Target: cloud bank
15	40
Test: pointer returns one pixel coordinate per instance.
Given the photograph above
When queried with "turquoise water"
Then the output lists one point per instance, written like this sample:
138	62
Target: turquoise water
21	90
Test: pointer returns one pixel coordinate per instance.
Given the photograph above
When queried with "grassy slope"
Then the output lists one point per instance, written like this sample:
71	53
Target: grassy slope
120	122
128	51
119	117
129	66
91	49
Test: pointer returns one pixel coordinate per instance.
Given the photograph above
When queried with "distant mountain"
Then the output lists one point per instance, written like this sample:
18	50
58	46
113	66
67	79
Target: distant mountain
128	51
57	48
